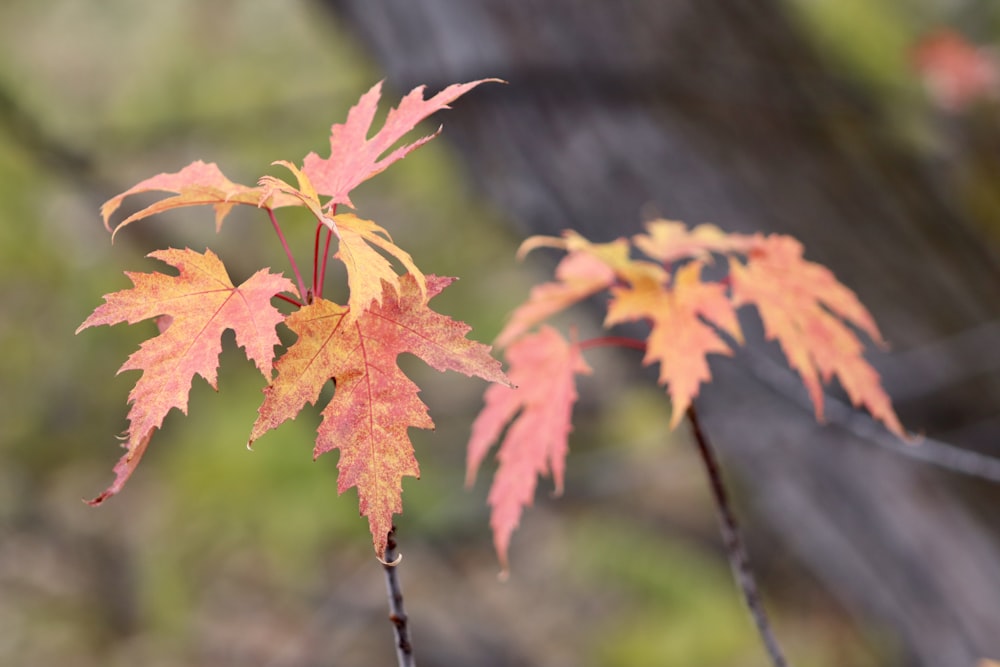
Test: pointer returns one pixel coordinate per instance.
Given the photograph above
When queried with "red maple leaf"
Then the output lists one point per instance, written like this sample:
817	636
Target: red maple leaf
374	403
543	366
354	158
194	308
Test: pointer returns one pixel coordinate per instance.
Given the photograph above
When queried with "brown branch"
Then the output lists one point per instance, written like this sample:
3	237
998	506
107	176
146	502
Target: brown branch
739	560
397	614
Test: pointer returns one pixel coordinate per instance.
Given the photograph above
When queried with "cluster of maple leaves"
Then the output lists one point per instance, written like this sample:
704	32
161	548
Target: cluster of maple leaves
356	344
801	304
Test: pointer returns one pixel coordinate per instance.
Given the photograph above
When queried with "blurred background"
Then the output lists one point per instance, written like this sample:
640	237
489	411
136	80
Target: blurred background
867	129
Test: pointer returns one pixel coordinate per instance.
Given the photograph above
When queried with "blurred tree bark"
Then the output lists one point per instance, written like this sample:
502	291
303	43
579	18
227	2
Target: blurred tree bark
719	110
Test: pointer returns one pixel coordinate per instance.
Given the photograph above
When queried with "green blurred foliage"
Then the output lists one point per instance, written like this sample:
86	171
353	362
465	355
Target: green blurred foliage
880	37
669	616
871	45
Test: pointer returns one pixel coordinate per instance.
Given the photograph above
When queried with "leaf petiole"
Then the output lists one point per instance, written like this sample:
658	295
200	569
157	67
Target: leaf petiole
288	299
614	341
326	253
288	253
317	279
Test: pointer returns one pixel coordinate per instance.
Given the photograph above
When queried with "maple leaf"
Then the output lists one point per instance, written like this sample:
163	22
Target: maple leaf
587	269
669	241
367	270
578	276
354	157
801	305
194	308
197	184
543	366
374	403
679	339
615	255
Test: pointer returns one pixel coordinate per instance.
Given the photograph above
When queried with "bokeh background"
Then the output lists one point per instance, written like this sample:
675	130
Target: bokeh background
840	122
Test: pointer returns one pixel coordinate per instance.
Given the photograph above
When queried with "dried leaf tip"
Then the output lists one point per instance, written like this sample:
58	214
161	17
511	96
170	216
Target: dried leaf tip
393	563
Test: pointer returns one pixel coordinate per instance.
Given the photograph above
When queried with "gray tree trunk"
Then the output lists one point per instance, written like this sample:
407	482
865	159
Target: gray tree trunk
716	110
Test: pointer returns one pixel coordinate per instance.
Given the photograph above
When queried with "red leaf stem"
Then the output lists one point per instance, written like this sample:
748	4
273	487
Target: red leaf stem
326	253
288	299
317	279
613	341
288	253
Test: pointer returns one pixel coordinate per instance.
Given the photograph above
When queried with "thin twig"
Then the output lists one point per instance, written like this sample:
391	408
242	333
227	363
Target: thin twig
739	561
397	615
928	450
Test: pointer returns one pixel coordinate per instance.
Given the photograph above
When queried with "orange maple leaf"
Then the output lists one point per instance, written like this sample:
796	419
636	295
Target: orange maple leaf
354	158
804	307
195	307
543	366
680	338
374	403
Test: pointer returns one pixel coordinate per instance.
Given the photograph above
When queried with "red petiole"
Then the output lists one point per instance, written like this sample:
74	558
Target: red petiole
288	299
614	341
326	254
288	253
